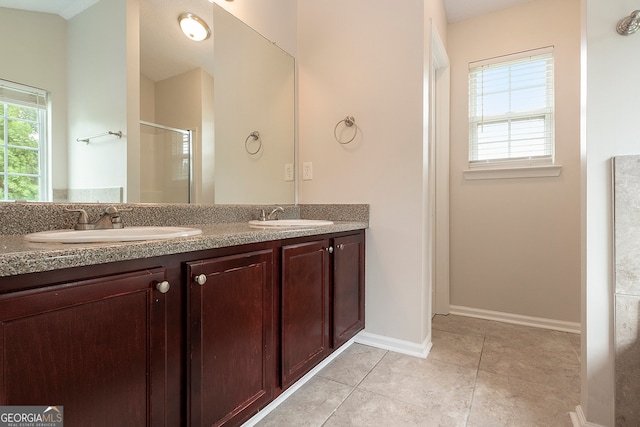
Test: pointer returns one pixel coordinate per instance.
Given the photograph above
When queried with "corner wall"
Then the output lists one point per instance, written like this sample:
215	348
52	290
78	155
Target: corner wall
610	129
98	96
515	243
40	60
365	60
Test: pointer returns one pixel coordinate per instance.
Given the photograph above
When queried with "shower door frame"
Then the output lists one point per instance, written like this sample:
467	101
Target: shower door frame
189	134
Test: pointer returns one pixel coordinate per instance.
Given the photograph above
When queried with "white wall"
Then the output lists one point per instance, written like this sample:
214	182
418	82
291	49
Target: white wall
147	99
274	19
367	60
132	93
98	96
610	129
179	104
38	57
184	101
515	243
254	81
203	188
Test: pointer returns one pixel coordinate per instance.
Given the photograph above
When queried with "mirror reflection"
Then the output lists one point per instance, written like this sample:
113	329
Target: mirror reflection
98	80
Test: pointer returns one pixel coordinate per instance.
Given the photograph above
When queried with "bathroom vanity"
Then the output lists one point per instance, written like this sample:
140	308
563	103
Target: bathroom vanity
203	330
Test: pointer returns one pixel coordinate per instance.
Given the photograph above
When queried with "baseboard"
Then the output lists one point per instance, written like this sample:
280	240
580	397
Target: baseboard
579	420
295	386
395	345
517	319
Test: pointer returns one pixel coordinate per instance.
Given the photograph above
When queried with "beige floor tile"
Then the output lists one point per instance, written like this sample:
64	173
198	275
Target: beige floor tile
364	409
502	401
459	324
575	342
525	377
557	368
574	339
310	406
353	364
443	389
458	349
525	337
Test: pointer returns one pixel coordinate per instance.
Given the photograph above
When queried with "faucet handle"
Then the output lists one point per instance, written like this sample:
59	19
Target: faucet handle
83	218
112	210
263	215
114	214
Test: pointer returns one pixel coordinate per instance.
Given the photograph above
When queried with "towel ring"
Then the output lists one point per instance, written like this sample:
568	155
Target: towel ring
256	137
348	122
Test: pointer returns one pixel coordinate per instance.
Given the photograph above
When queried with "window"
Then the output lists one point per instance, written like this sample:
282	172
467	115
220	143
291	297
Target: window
23	125
180	155
511	111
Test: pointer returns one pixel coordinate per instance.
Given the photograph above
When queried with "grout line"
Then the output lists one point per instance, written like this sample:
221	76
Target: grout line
486	335
475	384
354	388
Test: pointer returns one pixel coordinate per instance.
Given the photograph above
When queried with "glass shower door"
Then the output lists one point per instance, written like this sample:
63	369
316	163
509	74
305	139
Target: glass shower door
165	166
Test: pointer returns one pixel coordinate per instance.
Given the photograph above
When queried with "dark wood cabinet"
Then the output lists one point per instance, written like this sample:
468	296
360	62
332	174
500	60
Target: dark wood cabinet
231	347
116	347
348	287
322	300
95	347
305	308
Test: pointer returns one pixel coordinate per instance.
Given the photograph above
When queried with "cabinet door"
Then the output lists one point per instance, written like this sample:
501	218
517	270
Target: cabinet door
305	308
94	347
231	333
348	288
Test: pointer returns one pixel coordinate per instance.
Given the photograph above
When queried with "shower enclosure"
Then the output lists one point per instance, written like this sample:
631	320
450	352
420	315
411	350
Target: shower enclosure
165	166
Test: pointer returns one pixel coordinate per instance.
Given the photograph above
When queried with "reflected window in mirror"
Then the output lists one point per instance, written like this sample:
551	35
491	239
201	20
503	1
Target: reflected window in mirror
23	154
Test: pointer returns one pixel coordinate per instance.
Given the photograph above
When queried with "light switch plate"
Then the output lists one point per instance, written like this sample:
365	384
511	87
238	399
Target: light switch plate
307	171
288	172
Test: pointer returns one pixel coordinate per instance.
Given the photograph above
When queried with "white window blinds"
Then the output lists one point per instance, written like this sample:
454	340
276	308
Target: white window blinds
511	110
26	96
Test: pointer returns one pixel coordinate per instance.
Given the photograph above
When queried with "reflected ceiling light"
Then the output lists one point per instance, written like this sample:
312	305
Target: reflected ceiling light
194	27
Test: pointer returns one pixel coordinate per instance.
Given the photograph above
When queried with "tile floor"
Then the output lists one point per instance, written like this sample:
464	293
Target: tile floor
479	373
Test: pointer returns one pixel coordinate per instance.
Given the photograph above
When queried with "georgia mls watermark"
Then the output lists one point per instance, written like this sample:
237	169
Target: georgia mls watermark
31	416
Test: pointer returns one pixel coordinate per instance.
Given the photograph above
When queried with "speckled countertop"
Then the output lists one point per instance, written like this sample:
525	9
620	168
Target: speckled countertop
18	256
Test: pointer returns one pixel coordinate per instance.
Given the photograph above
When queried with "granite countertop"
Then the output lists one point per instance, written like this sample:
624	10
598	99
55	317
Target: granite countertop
18	256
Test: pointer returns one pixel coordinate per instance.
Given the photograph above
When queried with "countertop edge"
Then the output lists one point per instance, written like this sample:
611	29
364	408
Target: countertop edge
20	257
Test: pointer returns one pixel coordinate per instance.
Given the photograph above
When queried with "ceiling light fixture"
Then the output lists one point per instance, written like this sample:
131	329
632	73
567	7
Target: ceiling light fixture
194	27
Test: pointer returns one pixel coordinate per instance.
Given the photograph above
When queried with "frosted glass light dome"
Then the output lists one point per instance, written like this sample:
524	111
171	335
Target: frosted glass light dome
194	27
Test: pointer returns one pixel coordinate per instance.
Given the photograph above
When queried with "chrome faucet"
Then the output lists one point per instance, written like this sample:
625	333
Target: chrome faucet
274	213
110	218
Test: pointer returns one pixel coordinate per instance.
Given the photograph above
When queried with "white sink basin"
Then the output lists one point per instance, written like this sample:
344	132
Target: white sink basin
126	234
300	223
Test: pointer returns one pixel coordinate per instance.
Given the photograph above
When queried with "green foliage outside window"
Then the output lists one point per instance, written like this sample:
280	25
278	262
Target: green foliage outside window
20	153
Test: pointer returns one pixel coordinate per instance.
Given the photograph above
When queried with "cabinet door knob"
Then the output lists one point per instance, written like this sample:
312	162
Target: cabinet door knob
163	287
330	249
340	246
200	279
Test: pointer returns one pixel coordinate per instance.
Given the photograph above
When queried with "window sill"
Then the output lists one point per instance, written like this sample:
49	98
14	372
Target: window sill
509	173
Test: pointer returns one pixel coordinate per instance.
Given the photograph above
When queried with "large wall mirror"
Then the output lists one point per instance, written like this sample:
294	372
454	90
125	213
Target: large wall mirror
125	66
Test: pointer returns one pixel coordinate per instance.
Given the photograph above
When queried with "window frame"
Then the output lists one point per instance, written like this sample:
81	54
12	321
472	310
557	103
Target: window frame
20	95
543	164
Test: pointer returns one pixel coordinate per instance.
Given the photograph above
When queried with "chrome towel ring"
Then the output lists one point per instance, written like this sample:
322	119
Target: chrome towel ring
256	137
349	121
